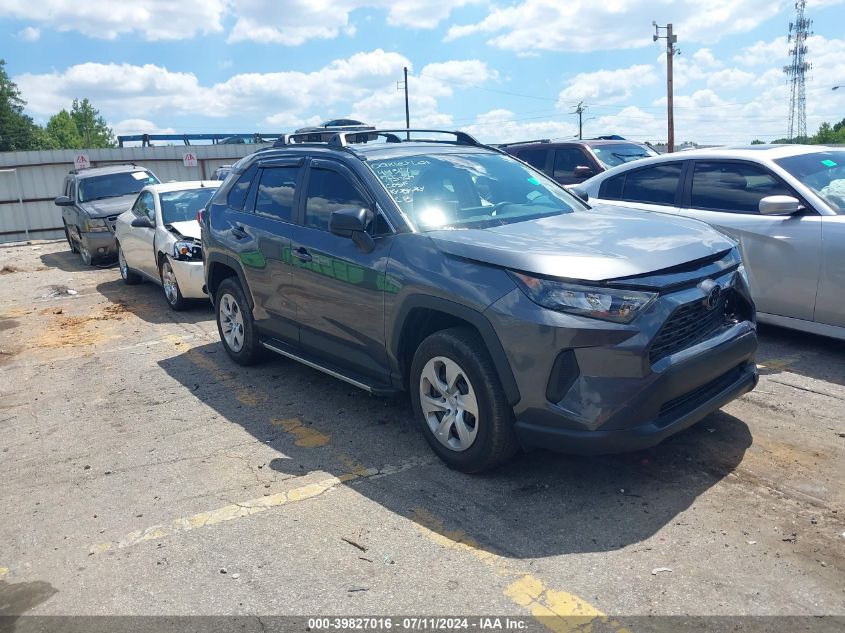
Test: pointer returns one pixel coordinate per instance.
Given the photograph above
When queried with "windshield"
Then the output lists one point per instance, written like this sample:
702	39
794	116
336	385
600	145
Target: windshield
470	190
180	206
823	172
114	185
614	154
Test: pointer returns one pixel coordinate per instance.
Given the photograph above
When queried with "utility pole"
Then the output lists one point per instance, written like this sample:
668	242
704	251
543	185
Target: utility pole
407	111
796	71
579	110
670	38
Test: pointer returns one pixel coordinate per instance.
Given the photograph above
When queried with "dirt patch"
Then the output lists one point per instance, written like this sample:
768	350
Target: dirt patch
8	324
9	269
71	331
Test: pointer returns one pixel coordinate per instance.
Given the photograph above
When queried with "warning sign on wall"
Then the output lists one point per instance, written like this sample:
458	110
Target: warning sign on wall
189	159
81	161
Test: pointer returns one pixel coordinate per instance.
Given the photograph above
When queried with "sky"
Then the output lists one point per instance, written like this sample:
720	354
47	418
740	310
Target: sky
504	70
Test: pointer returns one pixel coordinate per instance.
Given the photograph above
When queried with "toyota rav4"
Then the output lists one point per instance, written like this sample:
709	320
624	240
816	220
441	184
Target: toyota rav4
514	314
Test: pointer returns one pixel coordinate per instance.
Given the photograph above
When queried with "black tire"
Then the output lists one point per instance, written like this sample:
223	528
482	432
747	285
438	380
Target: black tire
85	255
173	296
129	276
495	441
251	351
70	242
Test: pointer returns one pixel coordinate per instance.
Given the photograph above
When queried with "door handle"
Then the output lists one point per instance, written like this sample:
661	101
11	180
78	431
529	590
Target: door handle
238	232
302	255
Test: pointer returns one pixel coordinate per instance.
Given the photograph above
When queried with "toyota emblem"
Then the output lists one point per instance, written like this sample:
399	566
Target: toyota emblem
712	298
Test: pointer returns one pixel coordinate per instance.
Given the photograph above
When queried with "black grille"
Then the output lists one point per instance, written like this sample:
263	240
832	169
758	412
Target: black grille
689	324
693	398
111	221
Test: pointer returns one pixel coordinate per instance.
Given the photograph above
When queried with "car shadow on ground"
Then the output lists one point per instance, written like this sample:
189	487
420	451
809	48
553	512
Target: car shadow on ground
67	262
810	355
539	505
146	301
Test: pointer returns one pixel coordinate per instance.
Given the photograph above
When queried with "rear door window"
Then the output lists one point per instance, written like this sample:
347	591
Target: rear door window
653	185
567	159
537	158
733	187
276	191
238	192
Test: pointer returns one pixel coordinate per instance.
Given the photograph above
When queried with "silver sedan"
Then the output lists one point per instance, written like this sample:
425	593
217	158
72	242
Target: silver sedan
783	204
159	239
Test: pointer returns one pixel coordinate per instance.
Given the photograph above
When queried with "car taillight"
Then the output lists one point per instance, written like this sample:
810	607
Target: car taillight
199	216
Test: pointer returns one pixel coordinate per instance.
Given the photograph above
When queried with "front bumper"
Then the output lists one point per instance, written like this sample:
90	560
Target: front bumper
591	386
190	275
101	244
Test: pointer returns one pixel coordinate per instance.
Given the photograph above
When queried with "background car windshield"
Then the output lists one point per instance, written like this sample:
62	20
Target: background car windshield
823	172
114	185
180	206
614	154
470	190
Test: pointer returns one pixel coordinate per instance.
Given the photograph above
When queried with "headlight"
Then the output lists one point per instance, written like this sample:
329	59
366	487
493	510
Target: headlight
97	225
610	304
187	250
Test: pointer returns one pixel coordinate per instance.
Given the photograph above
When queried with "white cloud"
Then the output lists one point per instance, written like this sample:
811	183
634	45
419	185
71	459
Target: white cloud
586	25
501	126
294	22
155	19
607	86
30	34
138	126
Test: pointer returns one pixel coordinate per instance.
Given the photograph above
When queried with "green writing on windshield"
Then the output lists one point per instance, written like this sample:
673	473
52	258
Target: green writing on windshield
533	181
828	163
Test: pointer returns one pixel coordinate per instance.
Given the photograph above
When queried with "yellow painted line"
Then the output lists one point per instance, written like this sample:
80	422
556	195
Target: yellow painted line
245	508
779	364
305	436
558	611
4	571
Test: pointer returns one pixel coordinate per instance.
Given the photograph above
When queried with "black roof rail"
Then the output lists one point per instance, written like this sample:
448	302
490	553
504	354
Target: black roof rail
344	139
536	140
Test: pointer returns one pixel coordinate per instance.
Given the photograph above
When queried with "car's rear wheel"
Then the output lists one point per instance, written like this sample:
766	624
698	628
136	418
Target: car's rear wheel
170	285
457	397
235	324
130	277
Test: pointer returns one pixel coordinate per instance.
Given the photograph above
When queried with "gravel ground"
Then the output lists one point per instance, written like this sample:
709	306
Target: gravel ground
145	474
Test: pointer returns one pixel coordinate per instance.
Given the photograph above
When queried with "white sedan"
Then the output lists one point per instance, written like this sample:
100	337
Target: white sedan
159	239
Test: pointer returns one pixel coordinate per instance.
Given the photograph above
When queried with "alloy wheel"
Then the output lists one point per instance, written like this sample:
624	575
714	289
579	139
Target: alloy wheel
231	322
169	283
449	403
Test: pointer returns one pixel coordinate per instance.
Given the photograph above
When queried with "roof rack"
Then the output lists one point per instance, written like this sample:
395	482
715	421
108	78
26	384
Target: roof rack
303	138
344	139
536	140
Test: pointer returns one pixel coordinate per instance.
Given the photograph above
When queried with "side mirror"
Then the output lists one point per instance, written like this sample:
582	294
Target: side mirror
579	193
779	205
582	171
142	222
63	201
352	223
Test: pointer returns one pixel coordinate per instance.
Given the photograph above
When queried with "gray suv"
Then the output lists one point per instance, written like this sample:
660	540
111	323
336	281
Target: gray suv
514	314
92	199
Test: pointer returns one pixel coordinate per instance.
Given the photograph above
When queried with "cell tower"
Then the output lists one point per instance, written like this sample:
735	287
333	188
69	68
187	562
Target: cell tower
796	71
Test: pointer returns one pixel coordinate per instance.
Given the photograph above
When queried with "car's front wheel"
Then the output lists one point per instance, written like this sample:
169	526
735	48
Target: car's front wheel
457	397
85	254
70	242
171	286
235	323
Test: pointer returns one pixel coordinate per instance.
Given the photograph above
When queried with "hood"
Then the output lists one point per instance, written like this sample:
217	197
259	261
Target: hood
600	244
188	228
108	206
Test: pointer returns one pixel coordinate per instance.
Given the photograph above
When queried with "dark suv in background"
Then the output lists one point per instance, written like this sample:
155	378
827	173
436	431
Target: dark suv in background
573	162
511	312
92	199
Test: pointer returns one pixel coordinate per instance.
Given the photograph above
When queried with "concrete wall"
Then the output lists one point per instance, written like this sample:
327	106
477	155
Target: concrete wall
37	177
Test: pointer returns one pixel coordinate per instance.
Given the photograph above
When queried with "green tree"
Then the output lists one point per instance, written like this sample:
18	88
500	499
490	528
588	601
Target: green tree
757	141
17	130
62	130
91	126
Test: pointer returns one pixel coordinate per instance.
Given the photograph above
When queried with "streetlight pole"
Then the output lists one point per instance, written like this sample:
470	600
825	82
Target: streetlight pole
670	38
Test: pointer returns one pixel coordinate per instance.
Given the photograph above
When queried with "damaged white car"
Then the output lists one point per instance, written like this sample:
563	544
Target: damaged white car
159	239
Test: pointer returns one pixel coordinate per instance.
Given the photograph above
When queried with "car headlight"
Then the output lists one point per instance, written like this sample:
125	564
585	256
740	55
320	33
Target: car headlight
187	250
610	304
97	225
743	273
